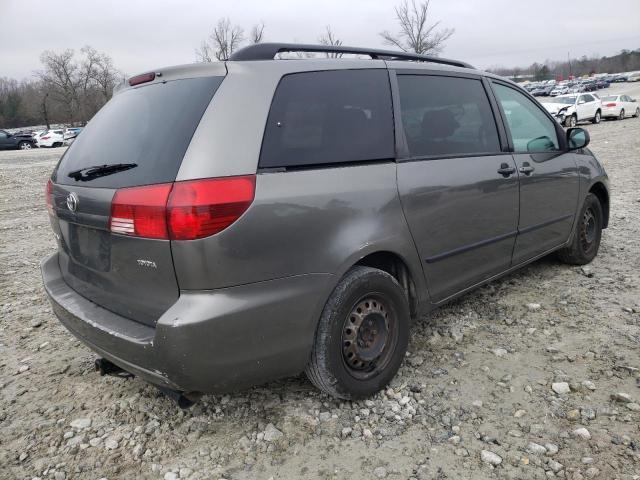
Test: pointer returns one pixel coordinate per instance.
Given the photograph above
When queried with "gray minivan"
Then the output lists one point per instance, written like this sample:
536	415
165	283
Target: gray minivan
259	217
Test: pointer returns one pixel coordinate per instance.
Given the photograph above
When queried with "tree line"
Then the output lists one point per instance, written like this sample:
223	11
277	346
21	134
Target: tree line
69	88
625	61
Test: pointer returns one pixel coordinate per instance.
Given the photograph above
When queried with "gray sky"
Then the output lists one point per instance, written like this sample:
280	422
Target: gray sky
141	35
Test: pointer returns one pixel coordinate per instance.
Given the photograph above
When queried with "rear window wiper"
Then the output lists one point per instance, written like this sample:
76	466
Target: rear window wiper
96	171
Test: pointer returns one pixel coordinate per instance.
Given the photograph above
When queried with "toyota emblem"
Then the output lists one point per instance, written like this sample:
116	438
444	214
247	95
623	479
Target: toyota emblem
72	202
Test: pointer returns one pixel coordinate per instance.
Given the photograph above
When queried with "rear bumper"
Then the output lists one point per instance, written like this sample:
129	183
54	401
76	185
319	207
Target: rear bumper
208	341
611	112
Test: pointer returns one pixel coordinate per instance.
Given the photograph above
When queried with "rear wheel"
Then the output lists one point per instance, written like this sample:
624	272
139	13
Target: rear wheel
637	114
362	335
24	146
586	238
57	144
621	116
597	118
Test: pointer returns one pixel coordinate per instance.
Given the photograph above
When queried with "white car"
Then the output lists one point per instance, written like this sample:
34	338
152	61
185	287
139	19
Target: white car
51	138
571	109
559	90
619	106
634	77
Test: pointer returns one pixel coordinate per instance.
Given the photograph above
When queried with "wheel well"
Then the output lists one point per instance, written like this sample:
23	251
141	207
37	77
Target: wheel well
600	191
394	266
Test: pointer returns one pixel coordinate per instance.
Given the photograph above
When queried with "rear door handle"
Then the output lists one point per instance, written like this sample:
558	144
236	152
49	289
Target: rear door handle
505	170
526	168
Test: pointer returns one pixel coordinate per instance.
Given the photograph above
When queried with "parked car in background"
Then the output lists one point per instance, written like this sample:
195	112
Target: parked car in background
618	78
10	141
571	109
619	106
602	83
71	132
634	77
51	138
368	220
543	91
559	90
577	88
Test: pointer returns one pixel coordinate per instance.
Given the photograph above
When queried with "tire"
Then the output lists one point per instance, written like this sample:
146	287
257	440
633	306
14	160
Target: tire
571	121
586	238
25	146
362	335
56	144
597	118
621	116
637	114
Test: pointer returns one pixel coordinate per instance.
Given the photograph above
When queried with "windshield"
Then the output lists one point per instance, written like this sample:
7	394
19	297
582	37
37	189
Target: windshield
563	100
149	127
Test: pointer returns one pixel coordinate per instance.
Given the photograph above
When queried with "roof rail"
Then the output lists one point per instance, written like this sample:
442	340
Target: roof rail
267	51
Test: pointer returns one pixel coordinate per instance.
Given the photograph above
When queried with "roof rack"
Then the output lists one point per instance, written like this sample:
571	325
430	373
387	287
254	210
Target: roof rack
267	51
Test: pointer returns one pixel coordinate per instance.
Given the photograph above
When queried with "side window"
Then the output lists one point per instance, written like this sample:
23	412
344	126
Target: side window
3	135
446	116
582	98
531	130
329	117
588	98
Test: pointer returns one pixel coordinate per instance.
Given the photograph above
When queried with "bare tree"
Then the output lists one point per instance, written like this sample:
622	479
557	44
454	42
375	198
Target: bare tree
80	87
329	38
415	34
257	33
224	40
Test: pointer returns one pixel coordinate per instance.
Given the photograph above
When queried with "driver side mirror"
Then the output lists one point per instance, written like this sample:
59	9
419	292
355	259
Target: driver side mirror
577	138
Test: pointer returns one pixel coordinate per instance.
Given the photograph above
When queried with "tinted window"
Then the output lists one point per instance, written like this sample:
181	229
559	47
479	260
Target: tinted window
531	130
446	116
3	135
588	98
329	117
150	126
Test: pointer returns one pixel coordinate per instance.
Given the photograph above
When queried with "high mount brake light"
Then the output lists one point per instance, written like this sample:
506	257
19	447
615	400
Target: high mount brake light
143	78
182	210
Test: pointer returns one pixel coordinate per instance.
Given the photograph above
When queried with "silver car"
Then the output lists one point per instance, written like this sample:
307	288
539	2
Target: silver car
260	217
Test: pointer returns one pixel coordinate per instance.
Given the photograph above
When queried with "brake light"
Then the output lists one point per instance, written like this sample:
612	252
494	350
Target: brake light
610	104
144	78
49	197
181	210
140	211
45	138
200	208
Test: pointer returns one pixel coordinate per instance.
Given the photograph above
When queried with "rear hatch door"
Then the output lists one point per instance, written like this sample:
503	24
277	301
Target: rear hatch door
138	138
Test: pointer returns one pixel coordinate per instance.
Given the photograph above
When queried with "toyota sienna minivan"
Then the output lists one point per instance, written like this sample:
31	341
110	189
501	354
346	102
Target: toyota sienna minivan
259	217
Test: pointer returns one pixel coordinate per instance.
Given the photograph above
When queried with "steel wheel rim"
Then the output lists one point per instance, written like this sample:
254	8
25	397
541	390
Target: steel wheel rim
369	335
588	230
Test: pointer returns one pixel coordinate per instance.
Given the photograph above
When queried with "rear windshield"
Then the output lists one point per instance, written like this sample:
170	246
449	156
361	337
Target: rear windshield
146	128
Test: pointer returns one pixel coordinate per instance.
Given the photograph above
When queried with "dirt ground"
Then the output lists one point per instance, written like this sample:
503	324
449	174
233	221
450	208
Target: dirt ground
533	376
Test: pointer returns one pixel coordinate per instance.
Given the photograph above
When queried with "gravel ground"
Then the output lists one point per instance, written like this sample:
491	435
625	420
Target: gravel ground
533	376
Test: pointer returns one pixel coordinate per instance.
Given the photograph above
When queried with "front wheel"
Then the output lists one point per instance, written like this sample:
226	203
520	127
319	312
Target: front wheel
362	335
621	117
597	118
637	114
588	232
571	121
24	146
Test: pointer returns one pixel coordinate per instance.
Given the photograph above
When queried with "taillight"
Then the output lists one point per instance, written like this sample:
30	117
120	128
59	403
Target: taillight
45	138
610	104
200	208
49	197
182	210
140	211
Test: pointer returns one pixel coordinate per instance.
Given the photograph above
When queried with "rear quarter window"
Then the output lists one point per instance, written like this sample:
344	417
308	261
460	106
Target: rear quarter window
329	117
150	126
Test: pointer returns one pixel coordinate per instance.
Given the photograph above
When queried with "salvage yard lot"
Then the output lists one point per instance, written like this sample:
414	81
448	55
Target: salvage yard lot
526	373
